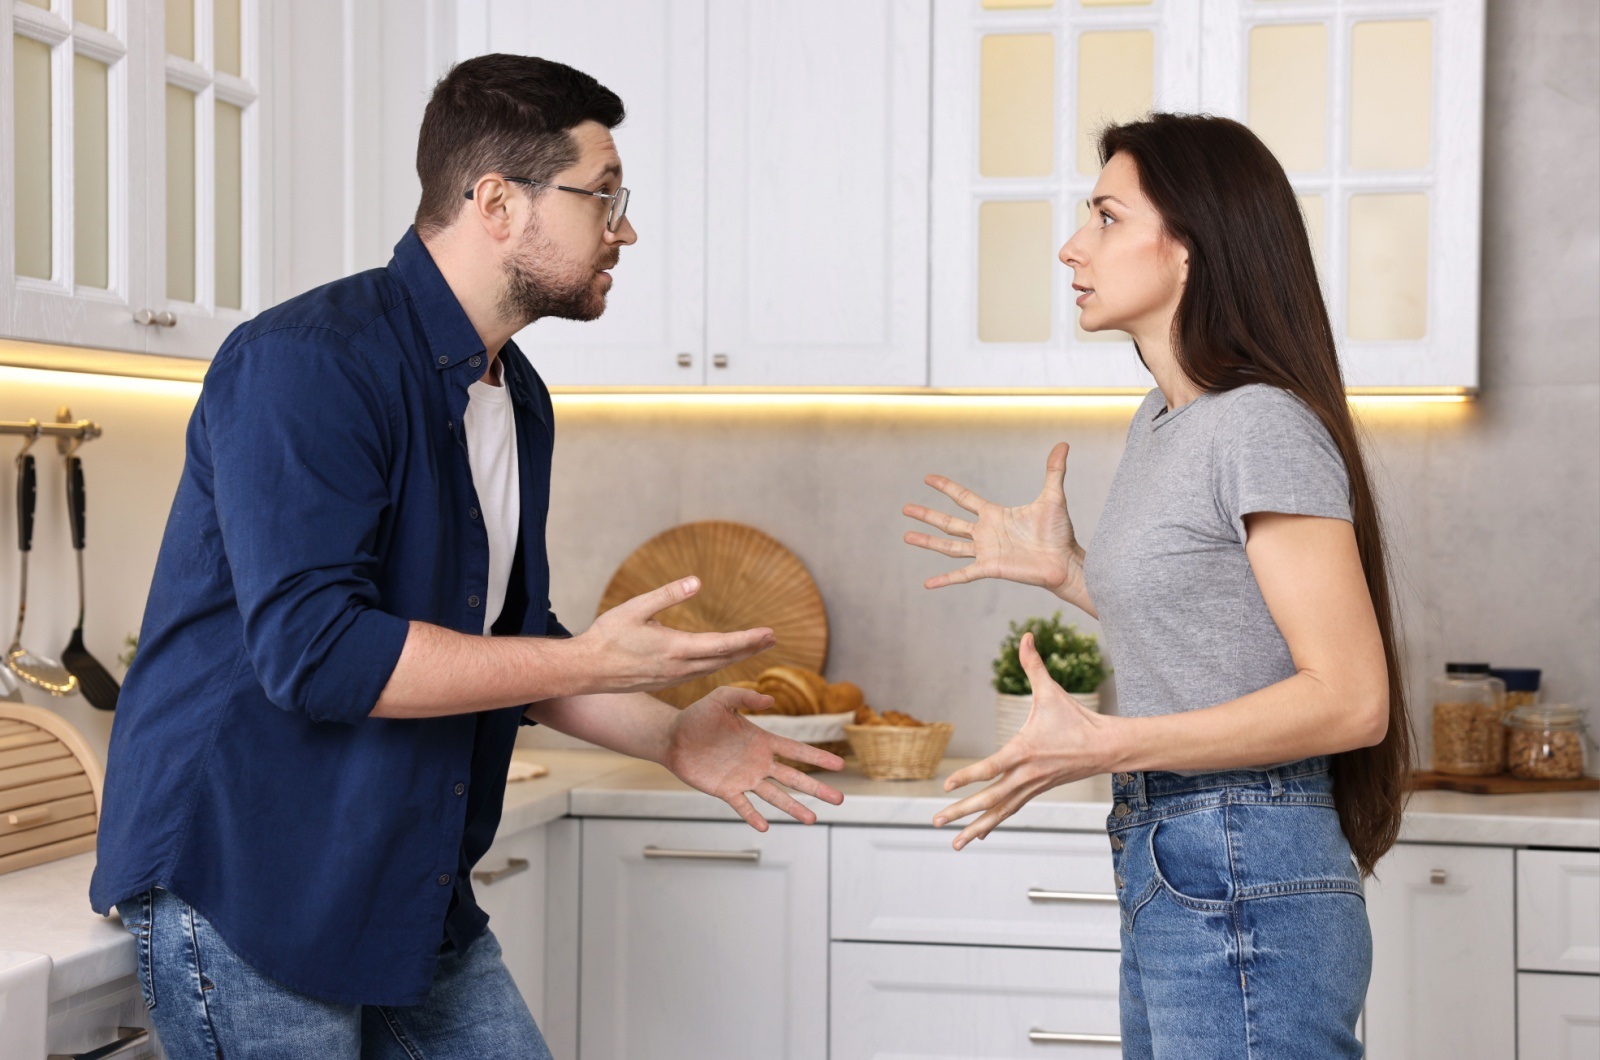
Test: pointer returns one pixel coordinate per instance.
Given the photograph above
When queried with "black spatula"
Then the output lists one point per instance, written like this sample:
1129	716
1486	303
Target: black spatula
97	686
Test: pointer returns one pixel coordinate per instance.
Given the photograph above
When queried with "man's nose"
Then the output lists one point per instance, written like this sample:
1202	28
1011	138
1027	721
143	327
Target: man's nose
624	234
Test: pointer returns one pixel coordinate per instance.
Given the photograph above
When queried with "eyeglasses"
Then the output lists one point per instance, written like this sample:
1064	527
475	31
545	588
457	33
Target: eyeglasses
617	202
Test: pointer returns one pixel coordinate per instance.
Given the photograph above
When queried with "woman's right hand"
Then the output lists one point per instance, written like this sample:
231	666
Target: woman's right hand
1033	544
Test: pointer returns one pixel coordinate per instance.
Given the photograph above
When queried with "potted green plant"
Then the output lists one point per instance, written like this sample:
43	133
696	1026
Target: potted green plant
1073	660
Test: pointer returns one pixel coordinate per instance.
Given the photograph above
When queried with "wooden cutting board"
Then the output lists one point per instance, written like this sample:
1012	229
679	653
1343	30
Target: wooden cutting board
1504	784
748	580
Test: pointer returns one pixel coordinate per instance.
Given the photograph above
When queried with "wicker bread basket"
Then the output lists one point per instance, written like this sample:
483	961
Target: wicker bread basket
49	788
895	752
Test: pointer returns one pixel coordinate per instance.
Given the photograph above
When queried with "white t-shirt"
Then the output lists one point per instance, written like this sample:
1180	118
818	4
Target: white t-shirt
492	454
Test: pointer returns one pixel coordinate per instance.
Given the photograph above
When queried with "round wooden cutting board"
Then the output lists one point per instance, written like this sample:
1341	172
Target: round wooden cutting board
748	579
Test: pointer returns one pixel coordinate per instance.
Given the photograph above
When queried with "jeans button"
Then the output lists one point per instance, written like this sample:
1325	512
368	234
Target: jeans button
461	789
1120	881
472	601
1120	810
1116	842
1123	778
444	879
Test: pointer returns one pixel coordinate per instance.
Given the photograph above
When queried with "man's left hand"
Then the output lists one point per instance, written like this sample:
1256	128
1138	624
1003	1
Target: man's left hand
715	749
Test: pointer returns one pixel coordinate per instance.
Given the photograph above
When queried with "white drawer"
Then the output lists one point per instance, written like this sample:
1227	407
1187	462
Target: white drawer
909	1002
1558	911
1558	1017
97	1017
1049	889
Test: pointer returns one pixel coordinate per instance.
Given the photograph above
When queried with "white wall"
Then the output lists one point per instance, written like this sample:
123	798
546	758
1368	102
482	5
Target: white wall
1494	506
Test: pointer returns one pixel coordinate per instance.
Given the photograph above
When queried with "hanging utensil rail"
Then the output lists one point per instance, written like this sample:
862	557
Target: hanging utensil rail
78	430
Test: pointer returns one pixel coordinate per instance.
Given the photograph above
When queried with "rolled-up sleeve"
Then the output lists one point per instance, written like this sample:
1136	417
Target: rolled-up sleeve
299	431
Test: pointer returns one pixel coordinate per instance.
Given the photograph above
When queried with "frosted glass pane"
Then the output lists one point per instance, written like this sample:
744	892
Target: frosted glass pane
180	194
230	206
31	74
90	12
1289	93
1016	259
225	16
180	28
1016	114
1388	266
91	223
1082	335
39	3
1391	94
1116	82
1010	5
1315	212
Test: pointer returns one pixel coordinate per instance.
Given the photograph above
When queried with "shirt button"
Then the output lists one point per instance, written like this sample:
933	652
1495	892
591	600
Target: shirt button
476	360
472	513
443	359
472	601
1120	810
444	879
461	789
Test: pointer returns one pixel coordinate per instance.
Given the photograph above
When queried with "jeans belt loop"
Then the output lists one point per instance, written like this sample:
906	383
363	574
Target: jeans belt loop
1275	778
1141	796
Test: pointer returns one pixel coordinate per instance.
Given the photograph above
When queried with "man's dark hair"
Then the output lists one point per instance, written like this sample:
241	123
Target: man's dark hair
506	114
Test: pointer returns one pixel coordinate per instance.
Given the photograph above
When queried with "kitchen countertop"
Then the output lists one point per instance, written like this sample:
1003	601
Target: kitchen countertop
45	909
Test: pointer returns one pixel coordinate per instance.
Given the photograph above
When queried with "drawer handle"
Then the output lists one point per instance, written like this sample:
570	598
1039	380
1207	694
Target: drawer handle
127	1038
1039	1037
510	868
703	855
1036	895
31	815
1438	877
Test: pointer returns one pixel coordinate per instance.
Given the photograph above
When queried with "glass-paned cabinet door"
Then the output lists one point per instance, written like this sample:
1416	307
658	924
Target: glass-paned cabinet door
1021	90
208	250
1375	109
72	138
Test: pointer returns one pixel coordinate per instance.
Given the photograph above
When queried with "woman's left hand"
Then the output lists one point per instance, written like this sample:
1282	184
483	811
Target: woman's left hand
1061	741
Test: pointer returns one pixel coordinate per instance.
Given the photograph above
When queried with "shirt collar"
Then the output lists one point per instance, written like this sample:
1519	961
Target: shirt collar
451	336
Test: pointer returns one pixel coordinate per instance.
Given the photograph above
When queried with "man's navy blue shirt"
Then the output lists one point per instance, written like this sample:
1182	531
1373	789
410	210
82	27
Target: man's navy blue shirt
326	501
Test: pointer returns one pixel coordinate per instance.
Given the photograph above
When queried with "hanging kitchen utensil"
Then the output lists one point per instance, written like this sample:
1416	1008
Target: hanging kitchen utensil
34	669
96	684
10	691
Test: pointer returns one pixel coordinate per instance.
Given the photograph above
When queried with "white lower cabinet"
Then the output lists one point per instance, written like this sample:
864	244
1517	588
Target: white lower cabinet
91	1021
703	940
904	1002
1558	1016
1444	955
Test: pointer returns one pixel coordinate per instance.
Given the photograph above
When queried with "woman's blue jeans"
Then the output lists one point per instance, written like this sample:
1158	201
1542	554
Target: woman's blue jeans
1244	930
206	1002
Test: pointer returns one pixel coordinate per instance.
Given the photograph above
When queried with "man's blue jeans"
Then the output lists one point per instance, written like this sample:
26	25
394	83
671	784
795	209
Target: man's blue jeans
207	1003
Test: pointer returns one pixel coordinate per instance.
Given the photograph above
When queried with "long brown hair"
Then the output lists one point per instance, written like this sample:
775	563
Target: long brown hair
1251	312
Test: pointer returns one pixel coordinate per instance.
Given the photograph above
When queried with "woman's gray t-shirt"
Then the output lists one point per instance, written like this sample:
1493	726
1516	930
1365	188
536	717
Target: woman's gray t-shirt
1183	619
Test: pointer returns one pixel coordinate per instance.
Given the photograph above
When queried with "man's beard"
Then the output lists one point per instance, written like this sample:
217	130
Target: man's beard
539	285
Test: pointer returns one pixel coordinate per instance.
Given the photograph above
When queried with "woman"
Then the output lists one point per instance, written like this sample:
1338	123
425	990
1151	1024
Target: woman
1239	579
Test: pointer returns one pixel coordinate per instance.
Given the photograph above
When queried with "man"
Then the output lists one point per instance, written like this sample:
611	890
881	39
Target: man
311	750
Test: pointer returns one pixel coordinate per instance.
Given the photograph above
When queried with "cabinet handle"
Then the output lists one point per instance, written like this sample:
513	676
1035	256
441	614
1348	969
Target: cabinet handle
1039	1037
151	318
127	1038
685	360
31	815
703	855
510	868
1036	895
719	360
1438	877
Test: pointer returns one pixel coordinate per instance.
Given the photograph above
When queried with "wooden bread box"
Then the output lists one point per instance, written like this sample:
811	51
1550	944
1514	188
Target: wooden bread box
50	784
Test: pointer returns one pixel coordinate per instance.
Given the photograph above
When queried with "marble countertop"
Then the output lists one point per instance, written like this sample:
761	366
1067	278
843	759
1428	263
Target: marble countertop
45	910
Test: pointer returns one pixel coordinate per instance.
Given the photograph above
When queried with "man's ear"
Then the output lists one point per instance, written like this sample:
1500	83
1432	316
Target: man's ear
490	205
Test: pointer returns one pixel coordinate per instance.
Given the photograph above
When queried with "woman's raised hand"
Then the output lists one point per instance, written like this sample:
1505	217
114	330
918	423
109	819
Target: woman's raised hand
1033	544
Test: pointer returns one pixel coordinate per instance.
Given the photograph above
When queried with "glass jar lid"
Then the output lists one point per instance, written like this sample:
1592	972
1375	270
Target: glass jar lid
1547	716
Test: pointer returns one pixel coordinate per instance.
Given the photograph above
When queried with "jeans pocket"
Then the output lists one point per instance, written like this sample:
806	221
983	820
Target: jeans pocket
137	916
1191	858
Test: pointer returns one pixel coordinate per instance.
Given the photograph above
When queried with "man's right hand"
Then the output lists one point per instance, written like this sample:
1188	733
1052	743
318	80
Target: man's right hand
627	650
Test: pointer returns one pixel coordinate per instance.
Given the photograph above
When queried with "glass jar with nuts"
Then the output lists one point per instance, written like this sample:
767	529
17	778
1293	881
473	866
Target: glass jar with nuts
1545	741
1468	706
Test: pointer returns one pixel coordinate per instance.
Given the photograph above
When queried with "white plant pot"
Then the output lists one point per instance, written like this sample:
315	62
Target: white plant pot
1011	713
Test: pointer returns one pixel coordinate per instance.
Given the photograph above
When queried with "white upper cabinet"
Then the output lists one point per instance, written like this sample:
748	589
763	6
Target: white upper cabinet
817	206
1021	90
1375	109
653	55
137	193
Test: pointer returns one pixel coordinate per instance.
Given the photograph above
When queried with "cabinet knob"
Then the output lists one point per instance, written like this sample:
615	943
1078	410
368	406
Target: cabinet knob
1438	877
685	360
719	360
153	318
